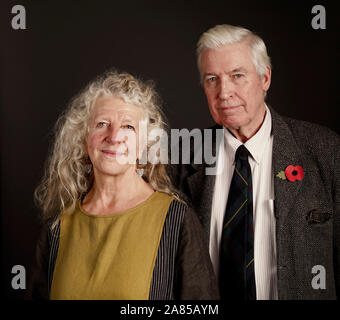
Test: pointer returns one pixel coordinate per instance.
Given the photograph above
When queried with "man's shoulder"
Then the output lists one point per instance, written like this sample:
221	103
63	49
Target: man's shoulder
311	132
305	134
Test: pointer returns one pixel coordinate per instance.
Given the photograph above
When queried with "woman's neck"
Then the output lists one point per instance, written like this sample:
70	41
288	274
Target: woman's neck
111	194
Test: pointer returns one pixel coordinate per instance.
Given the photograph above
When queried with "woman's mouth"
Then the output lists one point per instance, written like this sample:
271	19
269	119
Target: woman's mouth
114	154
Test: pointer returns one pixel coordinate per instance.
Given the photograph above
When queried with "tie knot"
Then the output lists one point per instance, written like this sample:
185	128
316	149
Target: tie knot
241	153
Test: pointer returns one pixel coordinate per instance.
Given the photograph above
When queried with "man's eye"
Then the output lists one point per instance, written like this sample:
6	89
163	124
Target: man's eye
211	79
237	76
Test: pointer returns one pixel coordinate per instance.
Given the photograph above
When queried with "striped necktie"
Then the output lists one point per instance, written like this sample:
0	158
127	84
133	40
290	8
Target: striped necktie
237	279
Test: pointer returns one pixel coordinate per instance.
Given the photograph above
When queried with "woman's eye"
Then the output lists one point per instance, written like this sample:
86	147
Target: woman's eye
101	124
129	127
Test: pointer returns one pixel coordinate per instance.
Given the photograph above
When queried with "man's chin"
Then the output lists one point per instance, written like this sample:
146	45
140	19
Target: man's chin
232	127
230	123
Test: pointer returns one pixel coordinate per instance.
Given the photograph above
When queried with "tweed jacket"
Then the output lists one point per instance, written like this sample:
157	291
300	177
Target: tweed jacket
307	212
183	269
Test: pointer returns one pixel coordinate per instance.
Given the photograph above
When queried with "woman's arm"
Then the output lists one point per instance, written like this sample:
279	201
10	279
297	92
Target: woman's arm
194	275
38	287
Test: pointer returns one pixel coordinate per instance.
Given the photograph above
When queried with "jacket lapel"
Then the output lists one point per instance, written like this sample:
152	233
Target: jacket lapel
201	185
285	152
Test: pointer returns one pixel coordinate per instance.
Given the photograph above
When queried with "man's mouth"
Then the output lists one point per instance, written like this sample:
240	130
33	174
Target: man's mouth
228	108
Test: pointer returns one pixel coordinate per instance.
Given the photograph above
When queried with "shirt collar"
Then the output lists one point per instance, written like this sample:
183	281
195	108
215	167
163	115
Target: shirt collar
256	144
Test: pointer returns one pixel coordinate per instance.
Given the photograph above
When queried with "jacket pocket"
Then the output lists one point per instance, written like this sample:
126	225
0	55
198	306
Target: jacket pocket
318	216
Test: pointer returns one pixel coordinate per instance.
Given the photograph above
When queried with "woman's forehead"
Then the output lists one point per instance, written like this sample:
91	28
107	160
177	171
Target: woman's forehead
114	106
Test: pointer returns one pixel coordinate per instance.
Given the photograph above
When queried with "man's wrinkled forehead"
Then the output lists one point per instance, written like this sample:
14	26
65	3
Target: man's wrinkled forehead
234	57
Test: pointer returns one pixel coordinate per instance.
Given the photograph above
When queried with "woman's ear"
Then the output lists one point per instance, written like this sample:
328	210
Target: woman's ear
142	157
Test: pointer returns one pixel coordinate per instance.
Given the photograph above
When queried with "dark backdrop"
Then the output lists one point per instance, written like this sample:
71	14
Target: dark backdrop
67	43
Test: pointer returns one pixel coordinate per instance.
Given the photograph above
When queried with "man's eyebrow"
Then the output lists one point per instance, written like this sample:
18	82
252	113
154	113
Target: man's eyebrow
240	69
208	74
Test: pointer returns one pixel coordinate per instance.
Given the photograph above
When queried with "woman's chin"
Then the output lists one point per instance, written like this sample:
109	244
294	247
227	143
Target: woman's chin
114	170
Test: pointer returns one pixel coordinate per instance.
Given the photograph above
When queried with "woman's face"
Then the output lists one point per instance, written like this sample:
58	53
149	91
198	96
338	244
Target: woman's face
112	140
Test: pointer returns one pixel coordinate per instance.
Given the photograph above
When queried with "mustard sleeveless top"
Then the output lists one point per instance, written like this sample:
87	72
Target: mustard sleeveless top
109	256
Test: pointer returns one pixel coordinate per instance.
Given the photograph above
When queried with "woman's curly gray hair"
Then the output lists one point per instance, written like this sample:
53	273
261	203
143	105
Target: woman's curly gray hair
66	179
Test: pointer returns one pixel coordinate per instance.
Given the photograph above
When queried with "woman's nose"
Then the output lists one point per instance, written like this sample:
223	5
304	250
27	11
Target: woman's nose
114	135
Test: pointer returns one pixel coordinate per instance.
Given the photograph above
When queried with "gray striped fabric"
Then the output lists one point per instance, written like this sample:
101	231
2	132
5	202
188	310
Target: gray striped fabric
53	239
163	274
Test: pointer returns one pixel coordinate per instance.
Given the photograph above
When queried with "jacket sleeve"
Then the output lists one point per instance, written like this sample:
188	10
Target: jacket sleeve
194	275
38	286
336	223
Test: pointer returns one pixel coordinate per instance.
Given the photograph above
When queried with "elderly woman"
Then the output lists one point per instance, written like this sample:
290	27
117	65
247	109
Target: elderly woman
115	229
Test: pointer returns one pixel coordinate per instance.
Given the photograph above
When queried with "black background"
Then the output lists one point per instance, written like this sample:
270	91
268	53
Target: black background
67	43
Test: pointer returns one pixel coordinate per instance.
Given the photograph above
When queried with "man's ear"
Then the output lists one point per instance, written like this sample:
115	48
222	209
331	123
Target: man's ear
266	79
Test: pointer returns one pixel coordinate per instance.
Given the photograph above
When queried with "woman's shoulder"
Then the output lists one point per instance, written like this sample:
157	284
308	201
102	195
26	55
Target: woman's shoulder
181	212
177	205
184	216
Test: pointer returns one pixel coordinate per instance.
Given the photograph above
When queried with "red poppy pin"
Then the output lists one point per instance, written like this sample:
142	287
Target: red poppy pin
292	173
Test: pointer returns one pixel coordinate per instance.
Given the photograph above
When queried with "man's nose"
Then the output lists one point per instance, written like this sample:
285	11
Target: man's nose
226	89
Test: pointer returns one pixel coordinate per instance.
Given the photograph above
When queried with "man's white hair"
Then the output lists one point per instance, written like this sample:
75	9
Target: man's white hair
225	34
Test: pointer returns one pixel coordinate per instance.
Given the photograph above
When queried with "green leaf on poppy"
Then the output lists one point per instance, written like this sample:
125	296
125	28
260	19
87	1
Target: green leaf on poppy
281	175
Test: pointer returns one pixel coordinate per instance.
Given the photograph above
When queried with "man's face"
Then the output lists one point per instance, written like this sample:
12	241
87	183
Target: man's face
234	90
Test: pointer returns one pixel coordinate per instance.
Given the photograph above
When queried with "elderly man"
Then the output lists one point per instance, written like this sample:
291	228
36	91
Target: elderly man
272	213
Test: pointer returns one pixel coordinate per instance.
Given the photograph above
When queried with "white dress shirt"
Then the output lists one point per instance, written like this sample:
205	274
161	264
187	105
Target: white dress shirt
260	147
